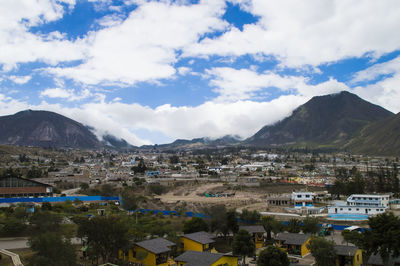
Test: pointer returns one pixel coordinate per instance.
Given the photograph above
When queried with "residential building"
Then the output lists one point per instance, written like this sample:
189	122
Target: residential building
153	252
348	256
197	258
257	232
366	204
294	244
199	241
303	199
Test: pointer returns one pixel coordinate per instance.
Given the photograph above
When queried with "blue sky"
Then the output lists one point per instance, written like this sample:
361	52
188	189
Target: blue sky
155	71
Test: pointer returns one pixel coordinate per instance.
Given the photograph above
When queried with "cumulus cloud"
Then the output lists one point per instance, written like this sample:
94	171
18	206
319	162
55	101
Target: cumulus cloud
19	79
385	88
314	32
19	45
245	84
67	94
144	46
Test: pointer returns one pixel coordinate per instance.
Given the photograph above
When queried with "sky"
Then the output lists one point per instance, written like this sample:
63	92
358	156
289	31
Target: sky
155	71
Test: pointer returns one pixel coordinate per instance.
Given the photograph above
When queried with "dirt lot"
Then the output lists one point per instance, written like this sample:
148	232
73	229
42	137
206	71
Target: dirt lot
253	198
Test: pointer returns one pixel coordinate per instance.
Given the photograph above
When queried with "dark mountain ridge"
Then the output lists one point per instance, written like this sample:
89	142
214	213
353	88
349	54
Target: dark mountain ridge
329	120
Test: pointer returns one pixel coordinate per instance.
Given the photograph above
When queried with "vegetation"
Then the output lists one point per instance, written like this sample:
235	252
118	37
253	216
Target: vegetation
310	225
243	244
273	256
323	251
195	224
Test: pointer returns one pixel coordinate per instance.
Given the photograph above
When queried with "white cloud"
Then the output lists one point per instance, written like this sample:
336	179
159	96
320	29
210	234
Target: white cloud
245	84
20	79
144	46
384	91
68	94
184	70
310	33
18	45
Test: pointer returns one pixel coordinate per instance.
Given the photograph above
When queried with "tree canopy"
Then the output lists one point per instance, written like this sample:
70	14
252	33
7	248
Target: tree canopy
323	251
273	256
243	244
195	224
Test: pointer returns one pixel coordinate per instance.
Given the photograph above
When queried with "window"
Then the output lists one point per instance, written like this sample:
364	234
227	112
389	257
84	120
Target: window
349	209
357	209
341	209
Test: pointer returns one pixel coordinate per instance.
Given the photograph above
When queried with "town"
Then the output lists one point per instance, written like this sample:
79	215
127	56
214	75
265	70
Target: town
154	206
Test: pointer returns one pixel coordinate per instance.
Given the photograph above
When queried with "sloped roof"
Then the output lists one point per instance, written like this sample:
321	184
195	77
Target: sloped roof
198	258
156	246
346	250
253	228
292	238
201	237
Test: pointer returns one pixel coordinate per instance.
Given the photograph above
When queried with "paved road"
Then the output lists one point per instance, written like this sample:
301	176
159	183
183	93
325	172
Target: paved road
15	257
22	242
13	243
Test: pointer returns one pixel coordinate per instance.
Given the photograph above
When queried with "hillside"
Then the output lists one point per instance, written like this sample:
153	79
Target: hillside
380	138
324	121
45	129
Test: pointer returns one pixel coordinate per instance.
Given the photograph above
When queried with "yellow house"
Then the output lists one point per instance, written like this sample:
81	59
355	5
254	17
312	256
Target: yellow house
257	231
348	256
153	252
295	244
198	258
199	241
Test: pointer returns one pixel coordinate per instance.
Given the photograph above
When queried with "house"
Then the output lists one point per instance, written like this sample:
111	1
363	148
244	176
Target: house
303	199
199	241
362	204
257	231
197	258
153	252
12	187
376	260
348	256
295	244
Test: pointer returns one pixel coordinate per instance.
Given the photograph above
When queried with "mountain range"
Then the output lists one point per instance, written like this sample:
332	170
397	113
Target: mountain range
341	121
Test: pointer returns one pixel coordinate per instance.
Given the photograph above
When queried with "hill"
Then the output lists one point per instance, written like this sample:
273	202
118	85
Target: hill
380	138
45	129
328	121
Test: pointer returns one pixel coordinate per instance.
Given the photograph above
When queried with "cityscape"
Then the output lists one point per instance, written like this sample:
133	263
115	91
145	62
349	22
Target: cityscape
195	133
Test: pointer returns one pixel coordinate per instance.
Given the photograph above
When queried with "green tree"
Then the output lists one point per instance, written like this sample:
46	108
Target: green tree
250	216
46	206
84	186
231	221
270	225
273	256
129	199
12	227
310	225
383	236
193	225
323	251
44	221
294	226
105	235
51	249
243	244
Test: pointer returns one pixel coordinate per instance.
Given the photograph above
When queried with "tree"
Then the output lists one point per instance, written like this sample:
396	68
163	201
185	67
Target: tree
273	256
52	249
129	199
293	226
46	206
174	159
250	216
44	221
12	227
243	244
105	235
270	225
193	225
310	225
384	236
323	251
84	186
231	221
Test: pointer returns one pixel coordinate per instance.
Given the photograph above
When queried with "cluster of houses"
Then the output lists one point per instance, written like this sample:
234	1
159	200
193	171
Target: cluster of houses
198	249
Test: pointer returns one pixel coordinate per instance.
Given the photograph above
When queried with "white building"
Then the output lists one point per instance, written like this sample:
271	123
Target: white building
303	199
367	204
